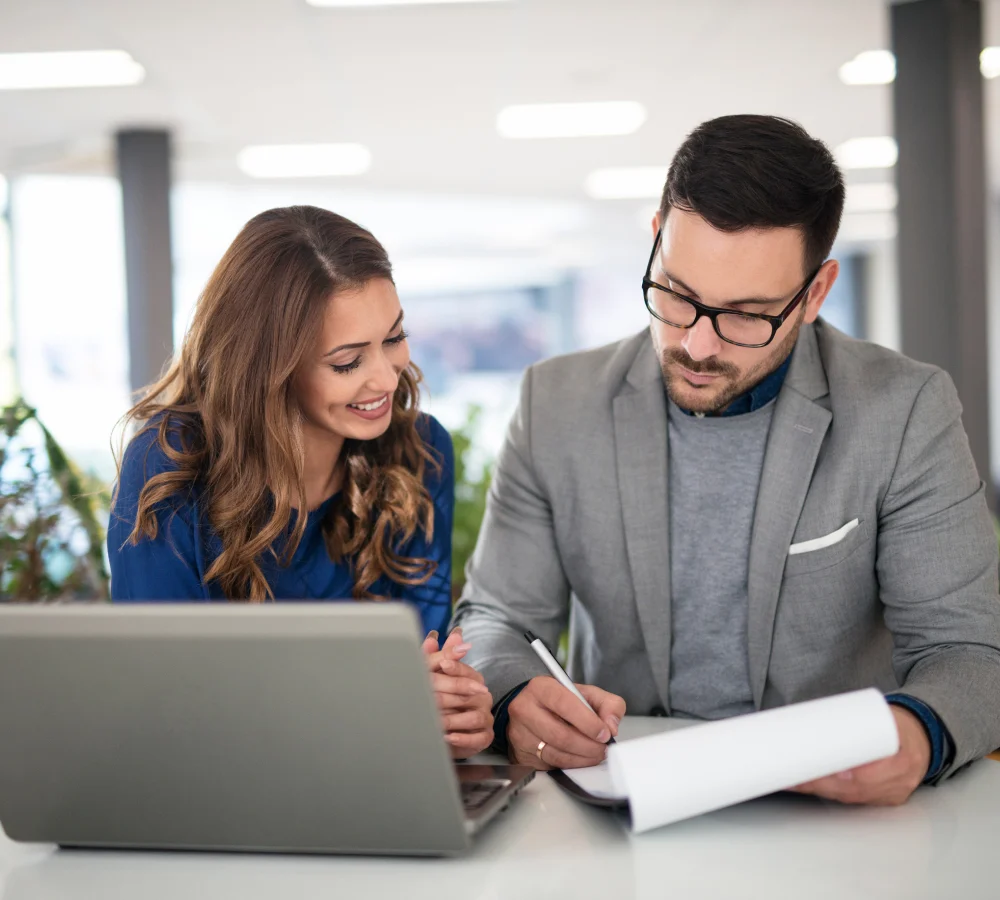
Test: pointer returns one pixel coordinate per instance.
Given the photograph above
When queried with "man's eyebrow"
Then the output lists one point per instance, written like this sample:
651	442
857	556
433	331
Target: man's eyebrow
750	301
364	344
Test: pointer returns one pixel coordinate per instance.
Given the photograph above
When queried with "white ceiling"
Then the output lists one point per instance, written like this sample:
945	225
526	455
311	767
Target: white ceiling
421	86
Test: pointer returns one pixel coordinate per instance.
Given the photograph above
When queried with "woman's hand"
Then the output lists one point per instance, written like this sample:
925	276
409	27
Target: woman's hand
461	694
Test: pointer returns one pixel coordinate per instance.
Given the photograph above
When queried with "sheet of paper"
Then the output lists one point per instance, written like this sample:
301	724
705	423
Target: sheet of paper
672	776
596	781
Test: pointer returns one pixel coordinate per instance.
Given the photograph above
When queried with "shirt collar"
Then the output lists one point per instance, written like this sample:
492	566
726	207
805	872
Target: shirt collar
759	395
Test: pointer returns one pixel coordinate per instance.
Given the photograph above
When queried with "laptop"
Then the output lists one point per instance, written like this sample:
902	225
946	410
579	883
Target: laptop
291	728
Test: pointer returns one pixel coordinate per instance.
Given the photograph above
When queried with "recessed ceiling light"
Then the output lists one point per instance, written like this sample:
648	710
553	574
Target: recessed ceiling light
875	197
867	153
869	67
989	62
563	120
78	68
333	4
304	160
626	182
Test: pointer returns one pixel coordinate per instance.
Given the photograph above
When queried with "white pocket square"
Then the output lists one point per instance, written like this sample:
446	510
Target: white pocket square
828	540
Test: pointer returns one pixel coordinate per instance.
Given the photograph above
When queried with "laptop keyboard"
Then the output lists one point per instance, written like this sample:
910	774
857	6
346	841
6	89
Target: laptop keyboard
476	794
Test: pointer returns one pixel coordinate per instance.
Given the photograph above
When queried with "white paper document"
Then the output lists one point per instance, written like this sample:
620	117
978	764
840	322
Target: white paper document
678	774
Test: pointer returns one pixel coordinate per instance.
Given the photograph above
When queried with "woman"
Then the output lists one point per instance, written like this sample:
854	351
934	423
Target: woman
282	455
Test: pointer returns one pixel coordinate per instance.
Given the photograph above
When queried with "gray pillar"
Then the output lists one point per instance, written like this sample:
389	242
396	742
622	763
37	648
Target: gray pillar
144	171
941	176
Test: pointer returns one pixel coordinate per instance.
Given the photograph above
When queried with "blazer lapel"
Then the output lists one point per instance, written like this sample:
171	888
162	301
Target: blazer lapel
640	421
797	431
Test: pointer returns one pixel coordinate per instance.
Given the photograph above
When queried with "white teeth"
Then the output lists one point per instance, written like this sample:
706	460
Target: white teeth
368	407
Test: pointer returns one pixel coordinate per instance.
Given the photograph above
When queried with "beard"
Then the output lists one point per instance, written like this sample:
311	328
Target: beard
732	381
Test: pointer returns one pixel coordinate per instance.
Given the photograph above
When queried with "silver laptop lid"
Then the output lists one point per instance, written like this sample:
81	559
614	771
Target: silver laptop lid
280	727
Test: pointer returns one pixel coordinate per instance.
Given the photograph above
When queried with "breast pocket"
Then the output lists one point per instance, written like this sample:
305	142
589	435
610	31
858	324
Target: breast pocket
813	554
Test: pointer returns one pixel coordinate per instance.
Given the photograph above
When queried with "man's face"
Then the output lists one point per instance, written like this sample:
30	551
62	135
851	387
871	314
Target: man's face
756	271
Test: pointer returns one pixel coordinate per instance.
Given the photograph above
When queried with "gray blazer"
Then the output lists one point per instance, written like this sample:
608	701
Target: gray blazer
576	531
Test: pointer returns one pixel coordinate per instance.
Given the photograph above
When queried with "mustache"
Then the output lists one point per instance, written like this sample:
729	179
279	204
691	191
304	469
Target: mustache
708	366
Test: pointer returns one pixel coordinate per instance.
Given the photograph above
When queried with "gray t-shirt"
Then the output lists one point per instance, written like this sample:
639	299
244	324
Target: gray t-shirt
714	470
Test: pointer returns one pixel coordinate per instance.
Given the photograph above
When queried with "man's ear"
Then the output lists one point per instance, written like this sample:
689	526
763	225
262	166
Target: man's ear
821	286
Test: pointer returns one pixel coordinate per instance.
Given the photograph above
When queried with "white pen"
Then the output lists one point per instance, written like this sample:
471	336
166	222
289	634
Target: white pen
558	673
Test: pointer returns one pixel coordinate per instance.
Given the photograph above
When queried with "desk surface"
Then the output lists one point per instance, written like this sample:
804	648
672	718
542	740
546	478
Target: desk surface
942	844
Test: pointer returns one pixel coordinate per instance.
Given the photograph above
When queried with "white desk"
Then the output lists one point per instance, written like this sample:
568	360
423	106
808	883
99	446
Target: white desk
945	843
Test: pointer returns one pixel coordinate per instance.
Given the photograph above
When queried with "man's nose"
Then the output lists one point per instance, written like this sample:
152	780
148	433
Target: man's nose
700	341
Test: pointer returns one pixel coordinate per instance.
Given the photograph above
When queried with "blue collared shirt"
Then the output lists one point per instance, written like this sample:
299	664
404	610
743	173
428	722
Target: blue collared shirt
942	746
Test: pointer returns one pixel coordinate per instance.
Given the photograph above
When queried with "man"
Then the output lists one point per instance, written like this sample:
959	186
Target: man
740	507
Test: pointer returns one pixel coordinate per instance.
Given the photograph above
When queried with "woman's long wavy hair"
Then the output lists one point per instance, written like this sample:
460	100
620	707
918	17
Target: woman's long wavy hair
227	417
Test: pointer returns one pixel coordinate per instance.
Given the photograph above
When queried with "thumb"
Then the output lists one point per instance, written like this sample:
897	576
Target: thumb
609	707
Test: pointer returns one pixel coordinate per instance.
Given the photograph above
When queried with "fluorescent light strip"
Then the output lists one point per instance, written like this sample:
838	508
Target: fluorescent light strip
304	160
867	153
626	182
869	67
355	4
74	69
564	120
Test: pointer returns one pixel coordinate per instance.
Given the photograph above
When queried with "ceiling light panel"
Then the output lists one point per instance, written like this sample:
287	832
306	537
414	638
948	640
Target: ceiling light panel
869	67
867	153
989	62
566	120
73	69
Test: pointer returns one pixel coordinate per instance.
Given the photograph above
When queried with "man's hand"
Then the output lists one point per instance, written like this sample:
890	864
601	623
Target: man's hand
574	737
885	782
462	697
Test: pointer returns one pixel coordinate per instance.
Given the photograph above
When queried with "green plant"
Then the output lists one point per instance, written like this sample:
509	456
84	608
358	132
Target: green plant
51	540
470	497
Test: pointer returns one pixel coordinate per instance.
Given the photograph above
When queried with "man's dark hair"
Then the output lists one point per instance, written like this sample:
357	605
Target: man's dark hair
742	172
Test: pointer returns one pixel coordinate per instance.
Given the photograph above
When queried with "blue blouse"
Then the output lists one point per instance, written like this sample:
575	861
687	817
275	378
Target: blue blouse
173	566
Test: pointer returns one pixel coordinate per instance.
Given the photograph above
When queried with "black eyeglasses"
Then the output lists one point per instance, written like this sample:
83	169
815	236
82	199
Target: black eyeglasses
741	328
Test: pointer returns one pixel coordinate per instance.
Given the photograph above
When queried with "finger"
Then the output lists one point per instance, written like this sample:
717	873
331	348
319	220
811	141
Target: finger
609	707
446	701
473	742
430	644
557	699
450	684
525	746
560	735
454	667
470	720
454	639
832	787
435	661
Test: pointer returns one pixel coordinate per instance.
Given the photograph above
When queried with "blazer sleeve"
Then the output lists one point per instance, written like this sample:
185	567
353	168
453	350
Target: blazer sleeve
164	568
515	580
937	569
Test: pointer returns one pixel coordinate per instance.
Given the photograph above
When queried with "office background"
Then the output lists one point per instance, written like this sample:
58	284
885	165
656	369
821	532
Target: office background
516	233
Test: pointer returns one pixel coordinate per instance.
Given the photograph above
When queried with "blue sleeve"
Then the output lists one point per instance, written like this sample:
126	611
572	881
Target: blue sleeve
501	719
433	599
162	569
942	747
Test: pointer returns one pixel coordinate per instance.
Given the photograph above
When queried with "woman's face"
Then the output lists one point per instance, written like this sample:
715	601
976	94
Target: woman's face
345	387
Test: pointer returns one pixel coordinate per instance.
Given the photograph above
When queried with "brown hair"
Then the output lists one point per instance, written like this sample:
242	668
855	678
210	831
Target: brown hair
226	415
